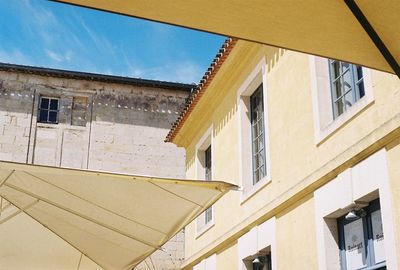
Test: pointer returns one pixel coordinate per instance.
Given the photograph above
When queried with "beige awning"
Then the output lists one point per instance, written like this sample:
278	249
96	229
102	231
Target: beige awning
326	28
115	220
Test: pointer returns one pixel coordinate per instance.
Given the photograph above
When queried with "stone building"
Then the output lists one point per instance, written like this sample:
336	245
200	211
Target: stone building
86	121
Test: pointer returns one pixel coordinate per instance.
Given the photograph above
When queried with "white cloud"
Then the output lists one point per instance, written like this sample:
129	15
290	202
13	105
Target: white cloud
67	56
54	56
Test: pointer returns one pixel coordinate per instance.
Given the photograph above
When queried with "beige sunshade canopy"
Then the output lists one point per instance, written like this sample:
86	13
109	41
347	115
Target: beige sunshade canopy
326	28
115	220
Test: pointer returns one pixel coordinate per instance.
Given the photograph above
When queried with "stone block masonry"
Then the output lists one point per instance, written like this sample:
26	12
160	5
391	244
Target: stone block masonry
104	123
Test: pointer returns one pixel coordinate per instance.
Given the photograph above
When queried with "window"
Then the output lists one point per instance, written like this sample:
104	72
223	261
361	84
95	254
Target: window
254	159
205	220
48	110
340	92
207	177
361	239
257	247
257	134
262	262
347	85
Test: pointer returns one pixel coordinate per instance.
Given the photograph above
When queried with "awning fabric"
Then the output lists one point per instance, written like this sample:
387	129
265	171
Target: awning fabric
326	28
115	220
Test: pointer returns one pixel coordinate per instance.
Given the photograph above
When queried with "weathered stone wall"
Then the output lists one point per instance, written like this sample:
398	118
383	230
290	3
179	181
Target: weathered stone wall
102	126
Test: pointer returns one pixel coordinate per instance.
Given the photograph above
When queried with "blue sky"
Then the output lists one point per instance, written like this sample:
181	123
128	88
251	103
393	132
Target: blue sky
48	34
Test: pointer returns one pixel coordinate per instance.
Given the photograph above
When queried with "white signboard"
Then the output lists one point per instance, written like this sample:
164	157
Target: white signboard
377	236
355	245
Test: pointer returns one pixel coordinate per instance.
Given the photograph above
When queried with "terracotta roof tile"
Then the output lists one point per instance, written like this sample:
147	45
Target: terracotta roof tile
198	91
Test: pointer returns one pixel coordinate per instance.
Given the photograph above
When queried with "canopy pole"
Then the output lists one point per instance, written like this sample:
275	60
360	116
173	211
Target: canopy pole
352	5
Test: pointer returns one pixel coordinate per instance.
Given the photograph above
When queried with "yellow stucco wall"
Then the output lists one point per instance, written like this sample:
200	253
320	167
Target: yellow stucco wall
298	164
394	176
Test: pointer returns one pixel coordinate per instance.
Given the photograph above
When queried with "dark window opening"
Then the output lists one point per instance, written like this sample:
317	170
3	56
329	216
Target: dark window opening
48	110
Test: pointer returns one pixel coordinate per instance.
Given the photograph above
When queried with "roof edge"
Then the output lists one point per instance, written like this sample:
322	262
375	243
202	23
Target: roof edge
201	87
77	75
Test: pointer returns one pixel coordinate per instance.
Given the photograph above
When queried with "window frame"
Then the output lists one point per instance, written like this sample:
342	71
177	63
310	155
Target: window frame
255	78
325	124
354	90
361	183
367	231
258	155
204	143
49	110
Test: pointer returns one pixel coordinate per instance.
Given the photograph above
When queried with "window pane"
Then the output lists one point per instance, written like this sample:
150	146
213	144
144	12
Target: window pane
359	73
355	245
336	69
338	91
54	104
53	117
347	81
345	67
348	99
339	106
377	236
257	134
44	103
208	215
43	115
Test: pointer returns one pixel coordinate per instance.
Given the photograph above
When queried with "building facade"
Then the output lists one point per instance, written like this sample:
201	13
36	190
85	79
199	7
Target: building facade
85	121
314	145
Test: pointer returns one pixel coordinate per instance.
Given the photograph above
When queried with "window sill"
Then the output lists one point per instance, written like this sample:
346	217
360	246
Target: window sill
58	125
206	228
251	191
360	106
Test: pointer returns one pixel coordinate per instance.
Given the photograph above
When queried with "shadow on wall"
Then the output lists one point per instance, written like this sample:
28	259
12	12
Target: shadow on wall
273	56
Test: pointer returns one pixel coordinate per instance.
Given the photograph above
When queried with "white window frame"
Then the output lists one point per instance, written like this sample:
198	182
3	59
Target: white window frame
256	77
258	241
364	182
325	124
205	141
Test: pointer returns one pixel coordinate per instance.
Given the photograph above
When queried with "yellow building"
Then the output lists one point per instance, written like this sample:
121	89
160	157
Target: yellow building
314	145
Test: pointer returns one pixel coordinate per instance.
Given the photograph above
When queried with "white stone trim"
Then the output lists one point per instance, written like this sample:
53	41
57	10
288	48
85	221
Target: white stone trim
364	182
209	263
257	240
324	123
257	76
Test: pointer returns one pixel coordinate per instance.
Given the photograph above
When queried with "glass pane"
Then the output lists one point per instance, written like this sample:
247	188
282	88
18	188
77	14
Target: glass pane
377	236
208	215
53	117
348	99
339	107
359	73
338	90
347	81
335	69
345	67
355	245
54	104
44	103
43	115
361	90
